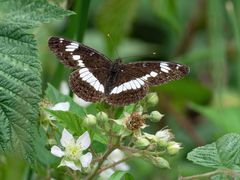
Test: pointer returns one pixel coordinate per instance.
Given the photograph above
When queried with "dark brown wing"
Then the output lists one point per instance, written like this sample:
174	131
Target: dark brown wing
88	87
126	89
133	79
88	81
74	54
157	72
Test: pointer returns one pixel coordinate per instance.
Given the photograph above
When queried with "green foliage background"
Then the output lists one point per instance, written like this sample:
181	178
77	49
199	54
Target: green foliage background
199	109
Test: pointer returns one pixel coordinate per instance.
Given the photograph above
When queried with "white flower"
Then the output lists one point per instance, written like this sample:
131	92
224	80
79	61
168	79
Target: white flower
64	88
164	135
62	106
115	156
173	147
80	101
73	156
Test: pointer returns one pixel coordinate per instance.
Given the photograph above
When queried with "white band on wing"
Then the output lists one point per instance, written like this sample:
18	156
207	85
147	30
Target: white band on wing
88	77
133	84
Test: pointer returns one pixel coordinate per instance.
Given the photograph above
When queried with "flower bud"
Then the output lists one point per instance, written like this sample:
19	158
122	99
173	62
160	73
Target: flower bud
161	162
152	99
89	121
150	137
102	116
163	137
139	109
173	147
142	143
155	116
51	142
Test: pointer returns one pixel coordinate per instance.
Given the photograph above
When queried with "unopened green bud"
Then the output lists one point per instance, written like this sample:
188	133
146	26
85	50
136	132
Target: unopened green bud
142	143
152	99
102	116
139	109
155	116
161	162
89	121
173	147
52	142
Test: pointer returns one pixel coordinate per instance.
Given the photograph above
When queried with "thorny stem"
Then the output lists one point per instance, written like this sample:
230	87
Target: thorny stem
113	164
101	161
212	173
144	152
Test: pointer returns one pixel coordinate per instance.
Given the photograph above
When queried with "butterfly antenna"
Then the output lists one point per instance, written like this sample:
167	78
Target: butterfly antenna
112	44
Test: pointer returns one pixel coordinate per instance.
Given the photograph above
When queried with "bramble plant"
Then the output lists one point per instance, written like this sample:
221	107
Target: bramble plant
105	130
53	135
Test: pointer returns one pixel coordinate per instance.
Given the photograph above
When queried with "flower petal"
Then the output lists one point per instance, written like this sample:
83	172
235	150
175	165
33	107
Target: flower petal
122	166
63	106
116	155
107	173
80	101
72	165
86	159
64	88
84	140
56	151
67	138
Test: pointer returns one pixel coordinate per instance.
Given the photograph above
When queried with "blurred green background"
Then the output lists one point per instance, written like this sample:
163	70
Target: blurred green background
205	35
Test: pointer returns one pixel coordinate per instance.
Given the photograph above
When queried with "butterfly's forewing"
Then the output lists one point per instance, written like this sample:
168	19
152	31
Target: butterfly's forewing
88	81
135	78
92	91
74	54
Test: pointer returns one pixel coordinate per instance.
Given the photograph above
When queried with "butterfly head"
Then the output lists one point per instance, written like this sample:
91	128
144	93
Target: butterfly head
119	61
116	65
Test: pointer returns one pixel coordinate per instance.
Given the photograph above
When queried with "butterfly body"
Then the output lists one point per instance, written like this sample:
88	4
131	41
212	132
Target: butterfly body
96	78
112	76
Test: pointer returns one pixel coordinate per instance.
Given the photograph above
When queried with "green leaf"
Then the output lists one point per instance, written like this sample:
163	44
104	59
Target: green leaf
227	118
43	154
118	175
229	149
20	89
69	120
115	18
224	153
20	72
29	13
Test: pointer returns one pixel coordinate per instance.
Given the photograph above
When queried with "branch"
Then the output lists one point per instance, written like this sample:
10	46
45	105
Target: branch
210	174
139	151
101	161
191	28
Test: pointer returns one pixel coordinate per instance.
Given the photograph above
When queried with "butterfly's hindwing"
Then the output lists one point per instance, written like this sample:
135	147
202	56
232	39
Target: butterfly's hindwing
86	86
127	88
134	79
156	72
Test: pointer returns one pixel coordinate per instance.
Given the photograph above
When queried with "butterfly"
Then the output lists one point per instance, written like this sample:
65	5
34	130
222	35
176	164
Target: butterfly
97	79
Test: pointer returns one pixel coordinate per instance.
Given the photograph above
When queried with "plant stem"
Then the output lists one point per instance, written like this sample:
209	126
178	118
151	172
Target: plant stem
83	19
100	163
210	174
143	152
